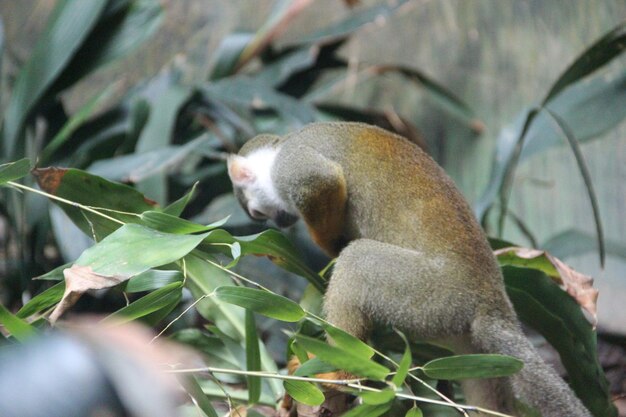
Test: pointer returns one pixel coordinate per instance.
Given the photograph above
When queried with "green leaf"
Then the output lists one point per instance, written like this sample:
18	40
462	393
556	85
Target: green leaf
404	365
596	56
304	392
279	71
273	243
14	170
414	412
253	358
342	359
133	249
314	366
347	341
472	366
152	279
160	299
17	327
177	207
67	29
544	306
367	410
262	302
171	224
115	200
200	398
42	301
377	398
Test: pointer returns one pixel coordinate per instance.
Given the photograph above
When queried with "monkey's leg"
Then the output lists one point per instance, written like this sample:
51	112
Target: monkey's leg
426	295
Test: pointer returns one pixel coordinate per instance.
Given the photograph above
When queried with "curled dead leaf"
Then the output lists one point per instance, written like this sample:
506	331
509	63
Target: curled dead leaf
78	280
577	284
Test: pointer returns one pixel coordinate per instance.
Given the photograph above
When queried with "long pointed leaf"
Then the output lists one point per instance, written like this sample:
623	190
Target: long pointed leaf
253	358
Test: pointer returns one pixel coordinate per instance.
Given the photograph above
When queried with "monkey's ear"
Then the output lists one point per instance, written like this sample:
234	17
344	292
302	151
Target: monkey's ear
239	170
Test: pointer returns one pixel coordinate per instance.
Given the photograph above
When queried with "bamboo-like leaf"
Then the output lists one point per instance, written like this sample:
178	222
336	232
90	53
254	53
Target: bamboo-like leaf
596	56
176	208
304	392
152	279
544	306
367	410
472	366
262	302
314	366
42	301
167	223
414	412
160	299
347	341
200	399
14	170
377	398
404	365
342	359
17	327
228	53
253	358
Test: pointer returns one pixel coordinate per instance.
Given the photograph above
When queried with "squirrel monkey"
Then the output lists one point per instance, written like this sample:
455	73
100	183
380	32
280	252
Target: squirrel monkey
410	252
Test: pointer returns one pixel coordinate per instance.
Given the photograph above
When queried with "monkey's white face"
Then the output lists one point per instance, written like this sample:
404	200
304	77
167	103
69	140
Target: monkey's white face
253	186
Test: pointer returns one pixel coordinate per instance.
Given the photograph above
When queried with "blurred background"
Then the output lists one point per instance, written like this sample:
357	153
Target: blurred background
456	76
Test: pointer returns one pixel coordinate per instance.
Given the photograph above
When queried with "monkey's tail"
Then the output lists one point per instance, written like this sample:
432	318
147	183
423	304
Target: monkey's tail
537	384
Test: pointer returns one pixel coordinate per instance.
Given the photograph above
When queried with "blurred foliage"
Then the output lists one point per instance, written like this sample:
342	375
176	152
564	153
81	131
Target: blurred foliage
166	139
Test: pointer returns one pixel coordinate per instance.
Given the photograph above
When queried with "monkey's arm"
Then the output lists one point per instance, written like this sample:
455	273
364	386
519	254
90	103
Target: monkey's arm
316	187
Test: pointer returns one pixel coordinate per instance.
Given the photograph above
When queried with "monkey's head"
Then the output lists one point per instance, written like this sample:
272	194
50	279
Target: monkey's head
250	171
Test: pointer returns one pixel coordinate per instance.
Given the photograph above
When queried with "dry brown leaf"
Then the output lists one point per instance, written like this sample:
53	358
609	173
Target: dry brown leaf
78	280
577	284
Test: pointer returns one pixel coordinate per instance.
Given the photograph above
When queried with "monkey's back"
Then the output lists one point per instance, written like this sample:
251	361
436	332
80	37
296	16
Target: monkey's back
398	194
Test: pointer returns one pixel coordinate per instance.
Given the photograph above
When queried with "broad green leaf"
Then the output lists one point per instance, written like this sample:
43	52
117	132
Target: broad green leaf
171	224
115	200
152	279
14	170
133	249
262	302
347	341
177	207
42	301
544	306
71	22
414	412
202	279
367	410
596	56
377	398
75	122
314	366
253	358
404	365
304	392
17	327
472	366
200	398
162	298
213	347
272	243
342	359
298	351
